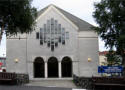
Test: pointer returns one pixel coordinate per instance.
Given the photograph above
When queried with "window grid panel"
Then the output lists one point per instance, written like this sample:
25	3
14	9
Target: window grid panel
41	36
59	33
37	35
52	33
48	36
67	35
45	30
63	36
56	27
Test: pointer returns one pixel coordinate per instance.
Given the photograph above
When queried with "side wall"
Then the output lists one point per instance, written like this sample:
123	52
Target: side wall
16	49
79	47
34	48
88	48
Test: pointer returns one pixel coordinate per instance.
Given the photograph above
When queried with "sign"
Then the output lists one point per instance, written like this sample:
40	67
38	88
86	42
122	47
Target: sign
1	63
0	67
110	69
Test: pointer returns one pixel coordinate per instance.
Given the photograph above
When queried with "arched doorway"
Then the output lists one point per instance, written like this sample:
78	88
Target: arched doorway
66	67
38	67
52	67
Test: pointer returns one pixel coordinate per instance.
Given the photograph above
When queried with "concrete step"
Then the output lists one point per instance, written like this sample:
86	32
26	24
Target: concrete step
53	83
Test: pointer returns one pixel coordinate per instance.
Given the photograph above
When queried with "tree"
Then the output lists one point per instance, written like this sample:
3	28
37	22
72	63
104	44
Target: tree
110	17
113	58
16	16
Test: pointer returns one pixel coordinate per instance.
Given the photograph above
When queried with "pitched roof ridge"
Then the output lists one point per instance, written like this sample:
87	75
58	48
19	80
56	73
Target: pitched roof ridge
72	15
81	24
42	10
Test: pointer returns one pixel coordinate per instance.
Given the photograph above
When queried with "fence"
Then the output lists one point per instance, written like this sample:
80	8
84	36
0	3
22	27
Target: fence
13	78
100	83
84	82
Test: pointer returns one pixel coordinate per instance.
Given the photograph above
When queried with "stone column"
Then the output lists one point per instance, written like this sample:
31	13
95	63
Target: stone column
46	70
59	69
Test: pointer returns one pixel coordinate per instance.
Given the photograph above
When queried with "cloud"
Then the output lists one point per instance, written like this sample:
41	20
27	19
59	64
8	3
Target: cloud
80	8
3	46
102	45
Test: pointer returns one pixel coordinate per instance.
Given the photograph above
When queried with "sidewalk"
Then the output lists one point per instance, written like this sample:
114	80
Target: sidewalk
53	83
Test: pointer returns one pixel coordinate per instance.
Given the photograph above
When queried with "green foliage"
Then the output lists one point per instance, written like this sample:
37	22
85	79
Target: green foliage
113	58
110	17
16	16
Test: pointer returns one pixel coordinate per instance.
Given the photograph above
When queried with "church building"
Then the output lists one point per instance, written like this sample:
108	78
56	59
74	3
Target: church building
61	45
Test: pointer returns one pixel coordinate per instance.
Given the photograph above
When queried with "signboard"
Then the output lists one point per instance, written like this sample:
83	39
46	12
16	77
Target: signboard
110	69
1	63
0	67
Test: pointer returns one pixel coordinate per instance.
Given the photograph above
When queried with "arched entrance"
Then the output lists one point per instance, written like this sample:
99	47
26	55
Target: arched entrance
38	67
66	67
52	67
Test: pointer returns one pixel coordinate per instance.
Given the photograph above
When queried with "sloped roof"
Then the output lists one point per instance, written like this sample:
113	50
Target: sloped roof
103	53
81	24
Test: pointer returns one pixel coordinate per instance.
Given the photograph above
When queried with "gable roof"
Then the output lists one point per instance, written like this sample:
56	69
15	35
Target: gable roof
81	24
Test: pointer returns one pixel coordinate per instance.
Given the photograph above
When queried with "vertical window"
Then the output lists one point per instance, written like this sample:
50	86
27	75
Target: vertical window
37	35
59	27
63	36
67	35
52	47
48	33
45	30
41	33
59	32
59	39
41	42
56	44
48	44
41	36
52	41
48	26
55	27
52	26
52	44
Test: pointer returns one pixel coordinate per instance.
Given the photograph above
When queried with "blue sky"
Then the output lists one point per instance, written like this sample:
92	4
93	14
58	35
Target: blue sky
3	46
80	8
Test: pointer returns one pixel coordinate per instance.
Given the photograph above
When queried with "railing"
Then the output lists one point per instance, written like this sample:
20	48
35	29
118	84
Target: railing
22	78
110	80
83	82
100	83
108	83
7	76
13	78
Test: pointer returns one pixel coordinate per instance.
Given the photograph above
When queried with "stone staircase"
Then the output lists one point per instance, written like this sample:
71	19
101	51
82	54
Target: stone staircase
53	83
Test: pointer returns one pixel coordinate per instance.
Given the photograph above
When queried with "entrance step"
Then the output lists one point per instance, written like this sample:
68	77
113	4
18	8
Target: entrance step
53	83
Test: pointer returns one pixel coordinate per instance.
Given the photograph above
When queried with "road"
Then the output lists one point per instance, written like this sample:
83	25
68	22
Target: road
33	88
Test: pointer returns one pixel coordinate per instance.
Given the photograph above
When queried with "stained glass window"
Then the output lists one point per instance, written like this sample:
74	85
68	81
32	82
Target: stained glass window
37	35
52	34
67	35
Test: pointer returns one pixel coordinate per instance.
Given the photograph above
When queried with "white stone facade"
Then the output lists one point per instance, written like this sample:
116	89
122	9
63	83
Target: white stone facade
80	46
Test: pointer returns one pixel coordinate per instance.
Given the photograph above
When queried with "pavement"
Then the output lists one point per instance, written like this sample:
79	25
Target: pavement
44	85
31	88
34	88
53	83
